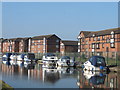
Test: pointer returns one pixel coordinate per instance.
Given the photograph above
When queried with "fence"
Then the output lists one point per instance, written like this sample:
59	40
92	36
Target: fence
111	58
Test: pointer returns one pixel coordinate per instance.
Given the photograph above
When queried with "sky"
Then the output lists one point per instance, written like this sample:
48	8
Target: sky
65	19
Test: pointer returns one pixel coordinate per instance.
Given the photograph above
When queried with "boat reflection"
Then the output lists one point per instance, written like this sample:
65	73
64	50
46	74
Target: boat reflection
92	79
35	71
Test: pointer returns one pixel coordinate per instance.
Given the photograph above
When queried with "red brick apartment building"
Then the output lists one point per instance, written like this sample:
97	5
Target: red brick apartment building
15	45
68	46
1	45
99	41
45	44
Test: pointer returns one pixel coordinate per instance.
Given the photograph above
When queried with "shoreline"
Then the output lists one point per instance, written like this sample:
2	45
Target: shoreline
5	86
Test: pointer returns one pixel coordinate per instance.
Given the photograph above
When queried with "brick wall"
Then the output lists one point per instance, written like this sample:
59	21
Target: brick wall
37	46
100	43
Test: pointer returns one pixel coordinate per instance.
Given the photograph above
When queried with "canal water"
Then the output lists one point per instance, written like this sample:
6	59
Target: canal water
32	75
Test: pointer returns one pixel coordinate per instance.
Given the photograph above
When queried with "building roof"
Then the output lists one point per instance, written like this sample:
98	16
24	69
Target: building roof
43	36
68	42
16	39
100	33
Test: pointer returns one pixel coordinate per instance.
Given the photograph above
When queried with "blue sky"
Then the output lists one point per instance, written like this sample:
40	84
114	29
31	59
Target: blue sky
63	19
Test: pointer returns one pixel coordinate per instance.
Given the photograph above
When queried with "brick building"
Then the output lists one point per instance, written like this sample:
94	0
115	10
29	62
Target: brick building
25	45
99	42
11	45
45	44
15	45
68	46
1	44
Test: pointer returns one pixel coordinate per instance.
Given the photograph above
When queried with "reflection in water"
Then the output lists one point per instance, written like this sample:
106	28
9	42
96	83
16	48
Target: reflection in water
89	79
35	76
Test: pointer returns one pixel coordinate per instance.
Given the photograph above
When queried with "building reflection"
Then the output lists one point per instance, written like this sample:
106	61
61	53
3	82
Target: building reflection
90	79
35	71
51	75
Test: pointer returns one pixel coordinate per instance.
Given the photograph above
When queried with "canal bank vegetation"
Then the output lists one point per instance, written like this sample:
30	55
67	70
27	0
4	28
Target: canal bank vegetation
5	86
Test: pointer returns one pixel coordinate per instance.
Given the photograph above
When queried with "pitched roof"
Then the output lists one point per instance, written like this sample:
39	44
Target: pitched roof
86	33
100	33
68	42
43	36
15	39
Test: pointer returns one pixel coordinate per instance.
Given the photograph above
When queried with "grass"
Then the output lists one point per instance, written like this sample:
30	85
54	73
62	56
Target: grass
5	86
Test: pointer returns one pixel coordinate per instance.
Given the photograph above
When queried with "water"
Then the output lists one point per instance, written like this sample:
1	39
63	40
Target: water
32	75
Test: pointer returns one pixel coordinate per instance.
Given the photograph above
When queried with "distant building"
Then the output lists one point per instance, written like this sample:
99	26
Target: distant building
45	44
25	45
68	46
15	45
99	42
1	44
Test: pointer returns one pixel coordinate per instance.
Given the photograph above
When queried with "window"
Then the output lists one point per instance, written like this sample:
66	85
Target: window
33	41
90	39
98	46
82	39
103	45
107	40
98	38
57	40
39	41
94	38
89	46
38	46
57	46
82	46
112	36
93	46
112	45
103	37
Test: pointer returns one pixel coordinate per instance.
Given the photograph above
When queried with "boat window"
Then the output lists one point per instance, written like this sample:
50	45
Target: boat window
50	54
65	57
100	60
91	59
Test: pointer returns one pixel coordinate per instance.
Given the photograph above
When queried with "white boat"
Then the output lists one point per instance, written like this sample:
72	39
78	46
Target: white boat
65	61
13	56
95	63
26	57
49	59
6	56
95	78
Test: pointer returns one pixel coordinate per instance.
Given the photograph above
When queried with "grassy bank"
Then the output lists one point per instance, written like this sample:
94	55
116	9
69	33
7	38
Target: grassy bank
5	86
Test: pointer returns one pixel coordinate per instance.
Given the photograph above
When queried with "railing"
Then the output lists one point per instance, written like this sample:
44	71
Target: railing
111	58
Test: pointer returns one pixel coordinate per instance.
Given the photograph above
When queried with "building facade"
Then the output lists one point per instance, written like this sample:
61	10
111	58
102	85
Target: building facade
99	42
25	45
68	46
11	45
1	44
45	44
18	45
